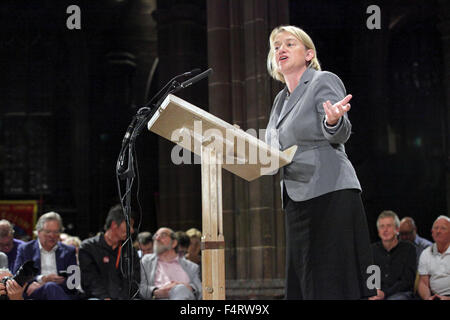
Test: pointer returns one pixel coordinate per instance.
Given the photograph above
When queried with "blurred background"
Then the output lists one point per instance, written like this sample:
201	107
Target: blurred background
67	97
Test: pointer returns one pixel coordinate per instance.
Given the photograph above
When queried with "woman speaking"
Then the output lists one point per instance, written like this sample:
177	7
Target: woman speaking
327	240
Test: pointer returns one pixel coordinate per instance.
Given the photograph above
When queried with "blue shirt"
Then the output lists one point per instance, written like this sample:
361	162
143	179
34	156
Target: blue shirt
13	254
421	244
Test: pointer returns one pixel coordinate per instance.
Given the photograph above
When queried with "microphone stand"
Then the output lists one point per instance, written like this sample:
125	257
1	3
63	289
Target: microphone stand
125	162
125	171
129	175
174	87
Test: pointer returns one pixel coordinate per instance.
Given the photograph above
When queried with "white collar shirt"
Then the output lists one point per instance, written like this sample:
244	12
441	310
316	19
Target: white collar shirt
48	260
437	266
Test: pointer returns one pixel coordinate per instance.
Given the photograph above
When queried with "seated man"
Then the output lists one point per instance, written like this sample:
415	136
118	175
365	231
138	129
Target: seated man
166	275
103	264
408	232
8	244
434	263
11	288
50	257
396	259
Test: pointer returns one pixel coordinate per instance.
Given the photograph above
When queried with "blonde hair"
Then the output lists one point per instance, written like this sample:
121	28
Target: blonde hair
302	36
193	232
73	241
388	214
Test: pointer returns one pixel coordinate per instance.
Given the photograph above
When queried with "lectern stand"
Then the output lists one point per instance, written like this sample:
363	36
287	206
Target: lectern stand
220	145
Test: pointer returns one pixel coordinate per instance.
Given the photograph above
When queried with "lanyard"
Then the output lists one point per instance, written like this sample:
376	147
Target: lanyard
118	256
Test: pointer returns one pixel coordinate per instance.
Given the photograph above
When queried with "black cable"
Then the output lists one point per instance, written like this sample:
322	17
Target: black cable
127	147
127	170
138	188
140	220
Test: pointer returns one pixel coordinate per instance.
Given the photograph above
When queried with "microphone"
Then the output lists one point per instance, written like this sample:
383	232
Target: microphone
197	78
171	82
177	87
193	72
145	113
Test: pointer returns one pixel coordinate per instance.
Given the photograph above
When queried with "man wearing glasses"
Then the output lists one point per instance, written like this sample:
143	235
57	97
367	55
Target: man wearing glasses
408	232
166	275
50	256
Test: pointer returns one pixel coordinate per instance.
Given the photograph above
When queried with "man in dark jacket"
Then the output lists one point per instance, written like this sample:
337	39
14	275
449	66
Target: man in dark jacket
396	259
50	257
8	244
103	261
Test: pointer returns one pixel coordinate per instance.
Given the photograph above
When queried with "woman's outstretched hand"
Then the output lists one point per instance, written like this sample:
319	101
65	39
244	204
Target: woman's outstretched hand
336	111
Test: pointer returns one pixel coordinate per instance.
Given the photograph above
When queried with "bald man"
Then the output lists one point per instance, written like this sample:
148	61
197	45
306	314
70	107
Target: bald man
434	263
408	232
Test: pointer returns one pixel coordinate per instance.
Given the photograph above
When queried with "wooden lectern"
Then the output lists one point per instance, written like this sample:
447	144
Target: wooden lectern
220	145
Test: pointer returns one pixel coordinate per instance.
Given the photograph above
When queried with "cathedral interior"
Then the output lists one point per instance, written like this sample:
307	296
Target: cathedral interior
68	95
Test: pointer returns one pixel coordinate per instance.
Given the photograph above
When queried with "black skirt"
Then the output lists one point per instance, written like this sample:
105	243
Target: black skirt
328	247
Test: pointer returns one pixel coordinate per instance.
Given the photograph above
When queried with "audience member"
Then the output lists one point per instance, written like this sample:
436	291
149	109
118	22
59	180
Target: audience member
63	237
145	243
50	257
183	242
165	275
75	242
396	259
194	253
11	289
434	263
103	261
408	232
8	244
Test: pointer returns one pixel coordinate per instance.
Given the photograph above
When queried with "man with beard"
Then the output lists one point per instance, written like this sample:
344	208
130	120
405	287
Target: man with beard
103	261
166	275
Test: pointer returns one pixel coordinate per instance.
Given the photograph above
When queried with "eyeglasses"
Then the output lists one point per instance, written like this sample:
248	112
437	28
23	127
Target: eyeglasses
162	235
52	232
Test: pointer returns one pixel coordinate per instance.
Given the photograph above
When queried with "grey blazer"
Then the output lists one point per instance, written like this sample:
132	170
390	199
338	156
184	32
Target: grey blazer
148	270
320	164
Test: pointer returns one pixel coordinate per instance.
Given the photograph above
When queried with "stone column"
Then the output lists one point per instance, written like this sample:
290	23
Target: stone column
444	27
80	131
181	47
241	93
